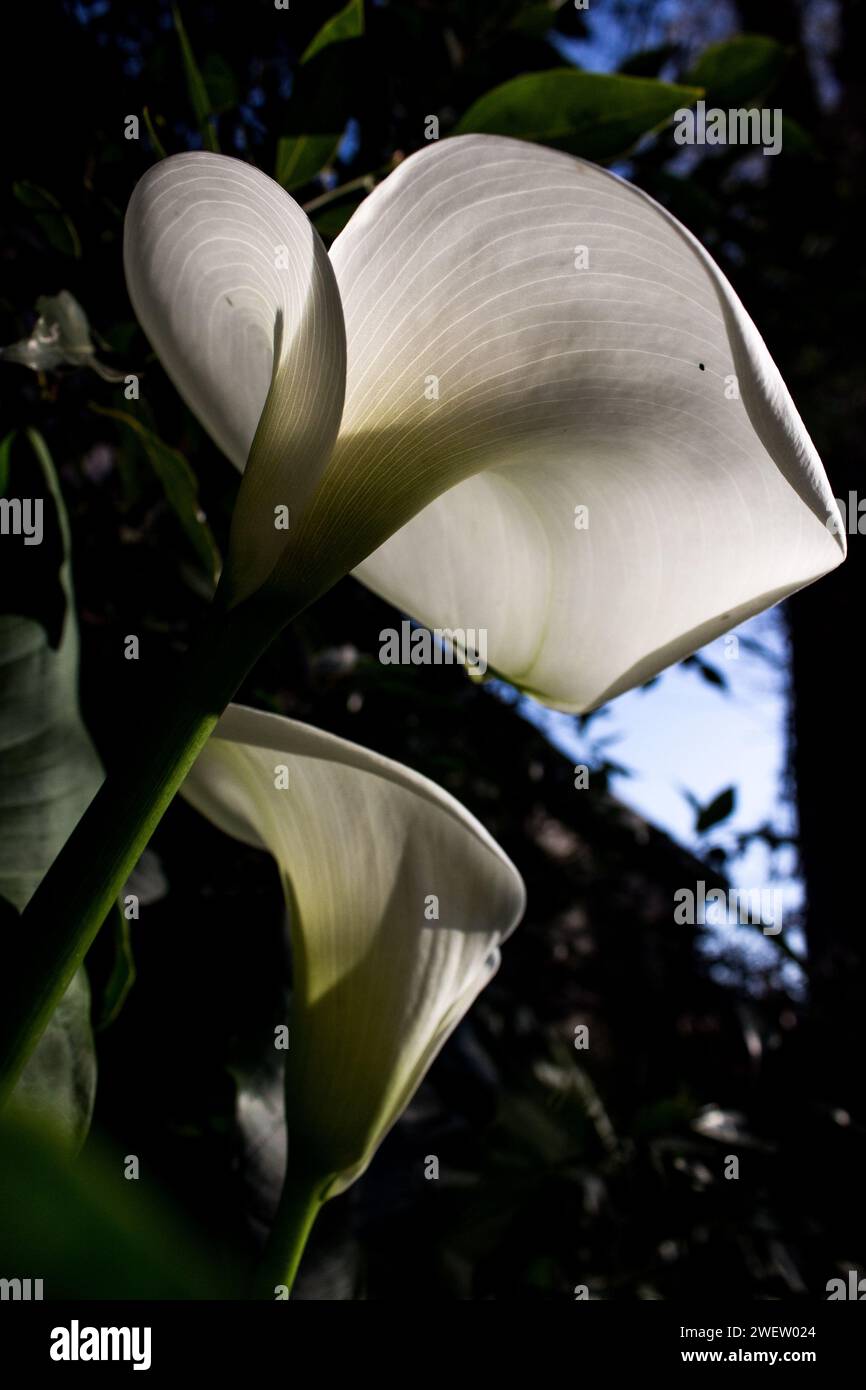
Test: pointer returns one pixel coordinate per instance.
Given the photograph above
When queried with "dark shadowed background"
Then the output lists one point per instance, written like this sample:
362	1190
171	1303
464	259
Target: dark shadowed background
558	1166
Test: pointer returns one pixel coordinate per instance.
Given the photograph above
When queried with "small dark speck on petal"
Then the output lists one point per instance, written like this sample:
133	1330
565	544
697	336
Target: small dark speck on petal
700	364
228	301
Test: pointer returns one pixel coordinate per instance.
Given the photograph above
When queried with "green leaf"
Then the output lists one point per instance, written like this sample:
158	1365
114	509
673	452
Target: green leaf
195	84
300	157
738	70
158	147
88	1232
179	485
32	196
313	140
718	810
59	1080
220	82
534	20
595	115
347	23
49	772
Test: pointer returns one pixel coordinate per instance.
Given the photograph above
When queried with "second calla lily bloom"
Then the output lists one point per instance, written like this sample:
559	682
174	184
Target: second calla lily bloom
398	900
519	396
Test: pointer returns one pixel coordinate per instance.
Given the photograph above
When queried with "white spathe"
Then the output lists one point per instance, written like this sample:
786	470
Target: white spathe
532	343
234	289
398	901
589	353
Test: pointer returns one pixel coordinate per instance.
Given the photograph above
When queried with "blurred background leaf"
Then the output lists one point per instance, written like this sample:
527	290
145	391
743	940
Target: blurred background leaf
179	485
717	810
198	93
58	229
50	772
89	1232
319	106
739	70
595	115
347	23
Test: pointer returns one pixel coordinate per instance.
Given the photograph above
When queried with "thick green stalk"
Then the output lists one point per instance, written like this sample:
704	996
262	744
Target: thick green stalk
300	1204
70	905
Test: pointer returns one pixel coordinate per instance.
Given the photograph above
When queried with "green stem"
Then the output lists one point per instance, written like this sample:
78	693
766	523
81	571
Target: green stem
366	181
300	1204
70	905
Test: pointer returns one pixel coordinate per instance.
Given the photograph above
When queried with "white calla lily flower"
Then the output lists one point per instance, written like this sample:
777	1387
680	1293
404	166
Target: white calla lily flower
398	901
236	294
560	425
